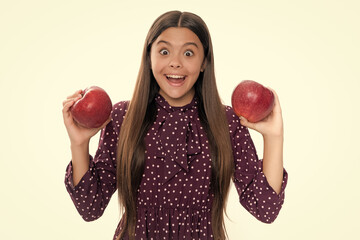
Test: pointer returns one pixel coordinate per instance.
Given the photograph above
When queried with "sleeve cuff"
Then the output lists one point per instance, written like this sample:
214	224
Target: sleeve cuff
263	185
69	181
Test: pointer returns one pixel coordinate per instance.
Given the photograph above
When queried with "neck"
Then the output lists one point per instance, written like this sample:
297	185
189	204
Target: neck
180	101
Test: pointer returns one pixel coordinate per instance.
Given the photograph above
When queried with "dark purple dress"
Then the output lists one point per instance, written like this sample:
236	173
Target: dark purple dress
174	198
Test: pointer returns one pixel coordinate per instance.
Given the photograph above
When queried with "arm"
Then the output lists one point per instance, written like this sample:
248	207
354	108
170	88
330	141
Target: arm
260	183
79	138
272	131
91	181
92	191
273	161
256	194
80	161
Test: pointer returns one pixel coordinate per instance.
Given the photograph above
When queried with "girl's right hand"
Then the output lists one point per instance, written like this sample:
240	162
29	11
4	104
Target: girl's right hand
78	135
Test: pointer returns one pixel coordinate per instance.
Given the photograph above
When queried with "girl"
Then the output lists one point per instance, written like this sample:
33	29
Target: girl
172	151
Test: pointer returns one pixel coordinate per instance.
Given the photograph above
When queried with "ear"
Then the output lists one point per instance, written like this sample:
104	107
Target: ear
203	65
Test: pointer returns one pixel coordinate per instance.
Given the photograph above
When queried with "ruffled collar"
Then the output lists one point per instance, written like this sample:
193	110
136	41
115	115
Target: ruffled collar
161	101
178	136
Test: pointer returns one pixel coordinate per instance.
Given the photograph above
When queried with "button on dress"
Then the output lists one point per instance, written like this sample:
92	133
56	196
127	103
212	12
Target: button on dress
174	197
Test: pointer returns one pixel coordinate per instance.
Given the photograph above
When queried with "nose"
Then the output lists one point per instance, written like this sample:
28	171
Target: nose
175	65
175	62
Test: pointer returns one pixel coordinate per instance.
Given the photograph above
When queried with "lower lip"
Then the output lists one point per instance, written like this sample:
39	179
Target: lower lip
176	82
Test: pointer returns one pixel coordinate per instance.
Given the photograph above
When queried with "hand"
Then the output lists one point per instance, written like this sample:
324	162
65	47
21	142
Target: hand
272	125
78	135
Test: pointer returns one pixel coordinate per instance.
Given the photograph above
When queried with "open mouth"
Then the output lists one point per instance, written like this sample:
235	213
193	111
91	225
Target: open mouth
175	79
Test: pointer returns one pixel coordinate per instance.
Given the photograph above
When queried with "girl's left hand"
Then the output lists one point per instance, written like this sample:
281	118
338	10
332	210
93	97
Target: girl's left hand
272	125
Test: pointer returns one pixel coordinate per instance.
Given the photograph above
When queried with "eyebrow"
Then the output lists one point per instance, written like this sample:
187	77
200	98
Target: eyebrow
186	44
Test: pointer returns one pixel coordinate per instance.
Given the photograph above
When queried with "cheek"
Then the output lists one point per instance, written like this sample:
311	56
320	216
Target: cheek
153	61
194	68
156	65
157	70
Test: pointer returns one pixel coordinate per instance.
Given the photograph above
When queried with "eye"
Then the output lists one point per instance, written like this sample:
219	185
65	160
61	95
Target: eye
164	52
189	53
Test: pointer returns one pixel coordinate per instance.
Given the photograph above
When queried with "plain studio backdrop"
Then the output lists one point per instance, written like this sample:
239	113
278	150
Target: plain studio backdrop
308	51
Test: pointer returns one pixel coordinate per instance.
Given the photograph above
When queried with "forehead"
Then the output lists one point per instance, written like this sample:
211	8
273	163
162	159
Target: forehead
178	36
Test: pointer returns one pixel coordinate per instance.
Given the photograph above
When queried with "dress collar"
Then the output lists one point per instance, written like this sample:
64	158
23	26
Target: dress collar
161	101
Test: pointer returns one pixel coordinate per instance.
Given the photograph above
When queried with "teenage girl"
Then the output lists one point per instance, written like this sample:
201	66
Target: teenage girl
173	149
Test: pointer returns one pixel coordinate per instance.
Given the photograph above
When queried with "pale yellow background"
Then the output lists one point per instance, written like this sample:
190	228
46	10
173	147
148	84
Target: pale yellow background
308	51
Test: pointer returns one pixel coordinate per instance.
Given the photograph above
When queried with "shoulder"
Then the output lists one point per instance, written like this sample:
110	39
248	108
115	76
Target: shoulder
120	107
118	113
231	116
235	127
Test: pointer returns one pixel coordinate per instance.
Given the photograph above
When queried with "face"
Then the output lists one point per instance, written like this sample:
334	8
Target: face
177	57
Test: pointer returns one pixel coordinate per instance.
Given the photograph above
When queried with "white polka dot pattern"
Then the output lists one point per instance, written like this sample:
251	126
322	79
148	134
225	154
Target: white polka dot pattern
174	198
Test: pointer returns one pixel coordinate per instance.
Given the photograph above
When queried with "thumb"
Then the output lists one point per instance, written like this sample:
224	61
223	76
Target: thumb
246	123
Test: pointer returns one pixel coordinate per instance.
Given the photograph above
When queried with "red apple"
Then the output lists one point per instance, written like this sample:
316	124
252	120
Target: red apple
93	109
252	100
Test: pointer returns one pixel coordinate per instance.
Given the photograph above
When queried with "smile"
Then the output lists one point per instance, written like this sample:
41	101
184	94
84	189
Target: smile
175	80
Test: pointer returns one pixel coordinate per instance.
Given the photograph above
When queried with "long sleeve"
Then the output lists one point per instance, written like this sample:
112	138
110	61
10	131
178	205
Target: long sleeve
92	194
255	193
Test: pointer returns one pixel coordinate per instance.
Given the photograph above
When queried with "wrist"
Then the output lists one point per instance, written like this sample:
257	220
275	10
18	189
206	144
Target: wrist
276	136
80	145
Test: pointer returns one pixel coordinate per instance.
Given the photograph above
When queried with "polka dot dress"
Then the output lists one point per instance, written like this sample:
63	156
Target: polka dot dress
174	197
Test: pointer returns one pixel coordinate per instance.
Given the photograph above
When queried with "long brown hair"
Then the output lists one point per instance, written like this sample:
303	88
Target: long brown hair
140	115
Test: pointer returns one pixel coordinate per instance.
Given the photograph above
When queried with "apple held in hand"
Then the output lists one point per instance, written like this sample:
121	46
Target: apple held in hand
252	100
93	109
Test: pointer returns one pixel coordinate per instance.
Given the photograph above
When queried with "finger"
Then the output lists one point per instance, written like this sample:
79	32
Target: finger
74	99
277	107
66	107
76	94
67	101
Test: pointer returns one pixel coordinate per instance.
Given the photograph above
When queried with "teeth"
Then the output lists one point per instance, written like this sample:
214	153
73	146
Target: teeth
174	76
